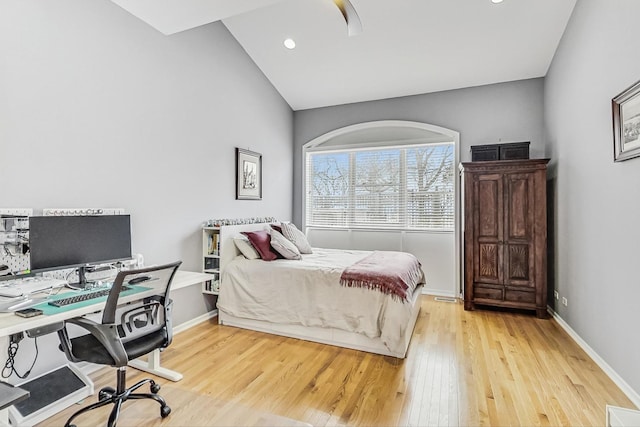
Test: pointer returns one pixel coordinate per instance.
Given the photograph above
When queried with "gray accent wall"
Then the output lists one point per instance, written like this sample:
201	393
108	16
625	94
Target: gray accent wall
504	112
597	234
98	109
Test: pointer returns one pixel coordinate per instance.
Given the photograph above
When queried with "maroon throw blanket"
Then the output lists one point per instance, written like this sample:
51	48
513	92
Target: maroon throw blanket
392	273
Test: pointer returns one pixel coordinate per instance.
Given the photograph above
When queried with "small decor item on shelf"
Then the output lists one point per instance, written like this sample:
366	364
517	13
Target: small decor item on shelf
238	221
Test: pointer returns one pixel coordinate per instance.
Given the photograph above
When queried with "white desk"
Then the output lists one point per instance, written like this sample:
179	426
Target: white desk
12	324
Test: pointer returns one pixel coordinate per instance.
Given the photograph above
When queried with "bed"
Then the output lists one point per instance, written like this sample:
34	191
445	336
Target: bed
304	299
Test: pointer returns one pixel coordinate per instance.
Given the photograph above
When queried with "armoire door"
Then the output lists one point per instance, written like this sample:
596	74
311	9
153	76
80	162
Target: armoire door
519	273
488	225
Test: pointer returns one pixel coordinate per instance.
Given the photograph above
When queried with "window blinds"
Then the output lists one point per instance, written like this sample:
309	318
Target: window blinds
396	187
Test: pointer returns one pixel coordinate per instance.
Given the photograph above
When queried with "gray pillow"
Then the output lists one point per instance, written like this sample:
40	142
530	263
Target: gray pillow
283	246
297	237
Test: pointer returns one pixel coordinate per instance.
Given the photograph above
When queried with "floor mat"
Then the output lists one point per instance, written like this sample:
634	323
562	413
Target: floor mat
191	409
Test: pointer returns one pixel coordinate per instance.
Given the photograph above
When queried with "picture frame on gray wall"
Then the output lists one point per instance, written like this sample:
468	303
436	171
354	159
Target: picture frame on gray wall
248	175
626	123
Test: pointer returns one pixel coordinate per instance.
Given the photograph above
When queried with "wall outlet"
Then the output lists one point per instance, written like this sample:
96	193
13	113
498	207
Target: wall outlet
556	295
564	301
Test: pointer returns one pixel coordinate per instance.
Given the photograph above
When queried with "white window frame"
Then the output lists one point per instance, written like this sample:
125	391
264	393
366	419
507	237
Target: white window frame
324	142
405	219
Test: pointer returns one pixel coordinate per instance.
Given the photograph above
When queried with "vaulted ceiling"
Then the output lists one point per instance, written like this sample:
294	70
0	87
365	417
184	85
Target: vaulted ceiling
407	47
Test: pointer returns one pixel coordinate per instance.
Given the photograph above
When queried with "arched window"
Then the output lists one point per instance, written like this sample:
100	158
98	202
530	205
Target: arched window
381	175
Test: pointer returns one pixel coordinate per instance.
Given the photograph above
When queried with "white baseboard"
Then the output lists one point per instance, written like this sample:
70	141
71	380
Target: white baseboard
626	388
193	322
438	293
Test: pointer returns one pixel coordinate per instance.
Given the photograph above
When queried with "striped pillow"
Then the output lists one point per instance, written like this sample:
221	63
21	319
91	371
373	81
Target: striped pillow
297	237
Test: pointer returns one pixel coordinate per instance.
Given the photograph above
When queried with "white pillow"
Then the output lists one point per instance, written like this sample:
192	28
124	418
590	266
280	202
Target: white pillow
246	248
297	237
283	246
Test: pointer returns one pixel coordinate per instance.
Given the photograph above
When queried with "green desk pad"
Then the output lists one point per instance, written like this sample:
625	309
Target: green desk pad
51	309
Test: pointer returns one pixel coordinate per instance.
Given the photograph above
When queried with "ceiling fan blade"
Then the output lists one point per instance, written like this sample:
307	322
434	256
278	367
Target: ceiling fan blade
354	25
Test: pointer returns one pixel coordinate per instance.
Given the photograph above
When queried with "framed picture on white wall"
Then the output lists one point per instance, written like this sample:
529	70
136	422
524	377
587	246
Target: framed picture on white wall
248	175
626	124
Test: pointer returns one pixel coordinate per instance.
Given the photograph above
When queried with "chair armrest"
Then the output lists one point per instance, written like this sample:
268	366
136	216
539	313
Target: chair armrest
168	316
106	334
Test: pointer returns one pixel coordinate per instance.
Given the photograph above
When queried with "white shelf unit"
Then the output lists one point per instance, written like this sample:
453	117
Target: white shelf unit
211	259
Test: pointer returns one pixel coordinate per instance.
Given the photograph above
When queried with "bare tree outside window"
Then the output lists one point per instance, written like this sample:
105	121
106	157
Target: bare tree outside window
430	186
330	188
377	187
394	187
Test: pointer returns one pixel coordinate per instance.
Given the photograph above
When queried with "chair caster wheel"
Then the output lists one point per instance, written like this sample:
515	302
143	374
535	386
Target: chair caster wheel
155	388
106	392
165	411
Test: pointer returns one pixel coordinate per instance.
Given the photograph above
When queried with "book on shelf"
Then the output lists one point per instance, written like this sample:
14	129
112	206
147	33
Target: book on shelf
212	285
213	244
211	263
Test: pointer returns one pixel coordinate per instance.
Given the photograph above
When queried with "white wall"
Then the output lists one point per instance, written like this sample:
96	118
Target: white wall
596	200
97	109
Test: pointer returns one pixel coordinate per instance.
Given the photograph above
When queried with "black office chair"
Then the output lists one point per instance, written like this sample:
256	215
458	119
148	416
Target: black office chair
124	335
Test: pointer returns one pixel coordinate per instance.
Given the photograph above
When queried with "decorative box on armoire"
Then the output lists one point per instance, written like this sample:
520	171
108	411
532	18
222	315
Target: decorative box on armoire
505	234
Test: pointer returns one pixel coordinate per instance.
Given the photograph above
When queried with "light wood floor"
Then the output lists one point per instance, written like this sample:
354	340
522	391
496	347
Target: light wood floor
462	369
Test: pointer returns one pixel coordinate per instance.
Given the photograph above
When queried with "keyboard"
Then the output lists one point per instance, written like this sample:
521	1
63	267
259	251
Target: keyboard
18	288
84	297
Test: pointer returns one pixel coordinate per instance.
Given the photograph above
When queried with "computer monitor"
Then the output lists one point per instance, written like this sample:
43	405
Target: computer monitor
59	242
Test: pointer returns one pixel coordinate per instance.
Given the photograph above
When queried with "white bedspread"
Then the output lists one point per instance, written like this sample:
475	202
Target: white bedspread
307	292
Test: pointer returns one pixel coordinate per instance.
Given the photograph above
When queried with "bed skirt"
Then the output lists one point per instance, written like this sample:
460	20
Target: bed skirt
330	336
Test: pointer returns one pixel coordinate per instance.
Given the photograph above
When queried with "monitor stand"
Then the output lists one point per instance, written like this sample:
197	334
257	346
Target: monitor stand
82	278
82	275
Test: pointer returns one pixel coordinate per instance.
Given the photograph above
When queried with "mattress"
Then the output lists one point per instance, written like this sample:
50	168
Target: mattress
307	292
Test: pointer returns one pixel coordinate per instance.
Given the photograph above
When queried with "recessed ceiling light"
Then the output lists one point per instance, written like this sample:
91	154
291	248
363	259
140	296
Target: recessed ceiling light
289	44
496	1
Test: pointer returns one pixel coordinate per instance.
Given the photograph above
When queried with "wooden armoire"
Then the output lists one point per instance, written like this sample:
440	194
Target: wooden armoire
505	234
